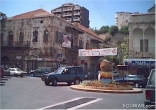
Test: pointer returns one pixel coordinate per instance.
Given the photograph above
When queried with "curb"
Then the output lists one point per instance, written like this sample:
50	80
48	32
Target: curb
88	89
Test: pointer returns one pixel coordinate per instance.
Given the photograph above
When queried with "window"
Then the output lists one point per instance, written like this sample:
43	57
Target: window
79	70
143	45
21	37
87	45
72	71
35	36
80	43
45	36
56	36
146	45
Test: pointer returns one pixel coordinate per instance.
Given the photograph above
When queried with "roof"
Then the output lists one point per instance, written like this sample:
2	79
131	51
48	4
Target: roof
32	14
87	30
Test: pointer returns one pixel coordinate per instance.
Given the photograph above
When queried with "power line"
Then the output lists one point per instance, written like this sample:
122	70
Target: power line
106	12
99	10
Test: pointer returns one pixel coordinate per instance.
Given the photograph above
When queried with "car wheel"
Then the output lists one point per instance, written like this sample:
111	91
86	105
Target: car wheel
15	75
54	82
136	85
77	82
21	75
69	83
46	83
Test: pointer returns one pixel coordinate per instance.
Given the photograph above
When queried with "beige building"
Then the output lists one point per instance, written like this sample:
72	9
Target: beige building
122	19
141	43
34	39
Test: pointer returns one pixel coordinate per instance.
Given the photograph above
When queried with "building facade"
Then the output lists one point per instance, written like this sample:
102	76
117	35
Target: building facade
34	39
73	13
122	19
142	43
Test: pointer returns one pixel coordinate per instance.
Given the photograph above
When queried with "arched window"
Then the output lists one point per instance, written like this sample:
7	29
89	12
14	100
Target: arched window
45	36
21	37
35	36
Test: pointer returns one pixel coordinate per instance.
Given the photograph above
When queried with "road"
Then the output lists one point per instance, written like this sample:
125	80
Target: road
31	93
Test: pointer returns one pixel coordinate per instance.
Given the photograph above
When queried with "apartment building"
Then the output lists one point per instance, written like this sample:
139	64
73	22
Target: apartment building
122	19
34	39
73	13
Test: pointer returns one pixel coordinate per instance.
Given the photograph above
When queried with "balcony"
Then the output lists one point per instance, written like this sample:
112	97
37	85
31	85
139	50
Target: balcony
15	44
76	19
67	14
58	15
76	13
67	9
68	19
135	53
56	11
76	8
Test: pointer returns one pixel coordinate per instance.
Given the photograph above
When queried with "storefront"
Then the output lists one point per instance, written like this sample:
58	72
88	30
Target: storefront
140	66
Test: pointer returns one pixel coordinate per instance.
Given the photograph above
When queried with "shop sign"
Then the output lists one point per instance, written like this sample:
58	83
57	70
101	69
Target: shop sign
145	63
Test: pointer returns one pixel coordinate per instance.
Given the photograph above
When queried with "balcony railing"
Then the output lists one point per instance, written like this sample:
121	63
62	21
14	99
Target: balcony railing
76	8
136	53
58	10
76	13
76	19
15	44
67	14
67	9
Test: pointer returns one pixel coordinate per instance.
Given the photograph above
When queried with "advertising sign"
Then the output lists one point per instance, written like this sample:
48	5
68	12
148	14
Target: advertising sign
97	52
66	40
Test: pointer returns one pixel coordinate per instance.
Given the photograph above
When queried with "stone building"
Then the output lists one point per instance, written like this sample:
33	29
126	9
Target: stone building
34	39
142	43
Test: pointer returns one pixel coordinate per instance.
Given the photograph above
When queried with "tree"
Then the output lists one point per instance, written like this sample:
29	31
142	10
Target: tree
124	30
104	29
113	30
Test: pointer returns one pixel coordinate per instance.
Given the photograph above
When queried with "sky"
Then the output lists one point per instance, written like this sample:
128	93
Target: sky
101	12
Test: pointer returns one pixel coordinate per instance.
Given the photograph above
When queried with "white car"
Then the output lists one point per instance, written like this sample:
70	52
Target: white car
115	74
17	72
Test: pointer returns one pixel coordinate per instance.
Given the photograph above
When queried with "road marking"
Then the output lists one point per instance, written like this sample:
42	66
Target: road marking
82	105
59	103
73	104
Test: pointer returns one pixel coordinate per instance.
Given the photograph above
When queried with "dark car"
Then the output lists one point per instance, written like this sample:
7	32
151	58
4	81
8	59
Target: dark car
134	80
150	91
40	71
67	74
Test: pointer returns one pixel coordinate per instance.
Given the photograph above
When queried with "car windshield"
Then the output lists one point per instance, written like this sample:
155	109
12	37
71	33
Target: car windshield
151	80
59	70
19	69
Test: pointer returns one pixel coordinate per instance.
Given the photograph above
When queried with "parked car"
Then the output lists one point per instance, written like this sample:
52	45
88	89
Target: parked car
67	74
17	72
1	72
40	71
150	91
134	80
115	73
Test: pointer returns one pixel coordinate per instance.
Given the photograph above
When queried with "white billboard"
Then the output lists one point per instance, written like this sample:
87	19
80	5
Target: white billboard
98	52
66	40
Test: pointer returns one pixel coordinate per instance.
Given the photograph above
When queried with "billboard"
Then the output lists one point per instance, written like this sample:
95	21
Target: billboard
66	42
98	52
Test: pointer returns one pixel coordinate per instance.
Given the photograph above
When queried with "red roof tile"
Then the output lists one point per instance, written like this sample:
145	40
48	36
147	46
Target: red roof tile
87	30
31	14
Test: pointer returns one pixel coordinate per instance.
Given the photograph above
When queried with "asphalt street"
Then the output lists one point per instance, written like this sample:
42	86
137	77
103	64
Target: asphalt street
31	93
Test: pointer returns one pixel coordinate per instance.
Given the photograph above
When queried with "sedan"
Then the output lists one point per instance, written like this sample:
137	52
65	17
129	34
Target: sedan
134	80
17	72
